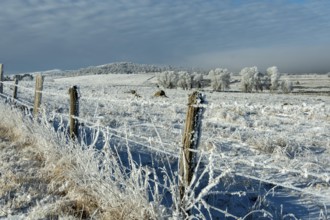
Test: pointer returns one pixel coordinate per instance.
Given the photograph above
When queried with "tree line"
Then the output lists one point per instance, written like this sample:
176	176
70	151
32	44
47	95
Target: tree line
220	79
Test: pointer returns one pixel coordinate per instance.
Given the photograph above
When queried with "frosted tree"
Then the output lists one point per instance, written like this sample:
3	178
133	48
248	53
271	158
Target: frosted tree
198	78
286	86
220	79
265	81
185	80
258	85
248	78
274	75
167	79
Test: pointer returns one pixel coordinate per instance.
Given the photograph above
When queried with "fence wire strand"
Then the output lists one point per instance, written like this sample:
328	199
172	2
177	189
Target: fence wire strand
124	135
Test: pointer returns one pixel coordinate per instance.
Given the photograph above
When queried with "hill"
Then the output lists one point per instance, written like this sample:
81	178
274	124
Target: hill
123	68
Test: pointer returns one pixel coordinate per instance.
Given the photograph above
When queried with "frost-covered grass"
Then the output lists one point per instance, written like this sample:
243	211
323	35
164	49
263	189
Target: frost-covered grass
273	148
43	175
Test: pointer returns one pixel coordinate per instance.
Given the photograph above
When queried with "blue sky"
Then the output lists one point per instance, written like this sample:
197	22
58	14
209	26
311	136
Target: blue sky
69	34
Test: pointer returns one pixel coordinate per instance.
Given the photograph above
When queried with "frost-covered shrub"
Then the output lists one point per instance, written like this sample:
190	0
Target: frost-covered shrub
198	78
249	76
286	86
185	80
188	81
274	75
266	82
258	83
220	79
167	79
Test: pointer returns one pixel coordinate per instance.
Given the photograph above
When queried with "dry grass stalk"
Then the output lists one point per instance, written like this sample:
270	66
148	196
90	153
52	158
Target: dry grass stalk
59	180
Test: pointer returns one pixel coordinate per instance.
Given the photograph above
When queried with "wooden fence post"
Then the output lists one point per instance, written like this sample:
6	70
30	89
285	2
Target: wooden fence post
74	111
15	88
190	142
38	93
1	78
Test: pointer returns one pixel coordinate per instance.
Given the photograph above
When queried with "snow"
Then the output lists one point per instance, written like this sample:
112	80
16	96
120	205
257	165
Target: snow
21	185
106	80
267	151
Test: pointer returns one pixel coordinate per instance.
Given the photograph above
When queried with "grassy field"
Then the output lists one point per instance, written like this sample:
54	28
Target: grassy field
267	153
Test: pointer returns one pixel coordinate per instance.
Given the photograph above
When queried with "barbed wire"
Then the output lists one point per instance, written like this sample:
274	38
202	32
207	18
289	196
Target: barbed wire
92	98
323	176
124	136
172	154
97	125
3	95
33	90
161	103
18	86
287	186
222	156
17	101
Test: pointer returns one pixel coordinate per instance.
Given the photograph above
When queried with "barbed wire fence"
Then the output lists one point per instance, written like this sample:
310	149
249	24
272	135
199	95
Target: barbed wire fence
239	166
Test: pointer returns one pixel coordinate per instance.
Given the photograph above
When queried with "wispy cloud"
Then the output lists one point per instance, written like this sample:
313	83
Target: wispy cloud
71	34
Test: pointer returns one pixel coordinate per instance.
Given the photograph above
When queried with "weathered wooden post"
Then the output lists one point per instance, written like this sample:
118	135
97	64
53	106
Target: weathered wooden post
38	93
190	141
15	88
74	111
1	78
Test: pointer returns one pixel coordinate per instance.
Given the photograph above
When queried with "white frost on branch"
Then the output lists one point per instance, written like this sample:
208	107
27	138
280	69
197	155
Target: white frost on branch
286	86
185	80
249	76
220	79
274	75
167	79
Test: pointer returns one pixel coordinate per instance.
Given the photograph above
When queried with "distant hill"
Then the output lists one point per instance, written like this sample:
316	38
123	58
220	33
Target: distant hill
125	68
120	68
113	68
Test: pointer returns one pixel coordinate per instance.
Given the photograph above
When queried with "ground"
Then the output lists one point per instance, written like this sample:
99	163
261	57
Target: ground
275	146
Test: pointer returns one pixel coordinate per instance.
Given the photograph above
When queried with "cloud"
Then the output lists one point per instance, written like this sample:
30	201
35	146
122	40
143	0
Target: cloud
74	33
289	59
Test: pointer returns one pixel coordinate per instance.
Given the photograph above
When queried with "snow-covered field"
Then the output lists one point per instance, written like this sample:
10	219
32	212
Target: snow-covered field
272	149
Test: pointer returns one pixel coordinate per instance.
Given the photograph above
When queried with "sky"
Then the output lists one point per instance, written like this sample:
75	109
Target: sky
38	35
